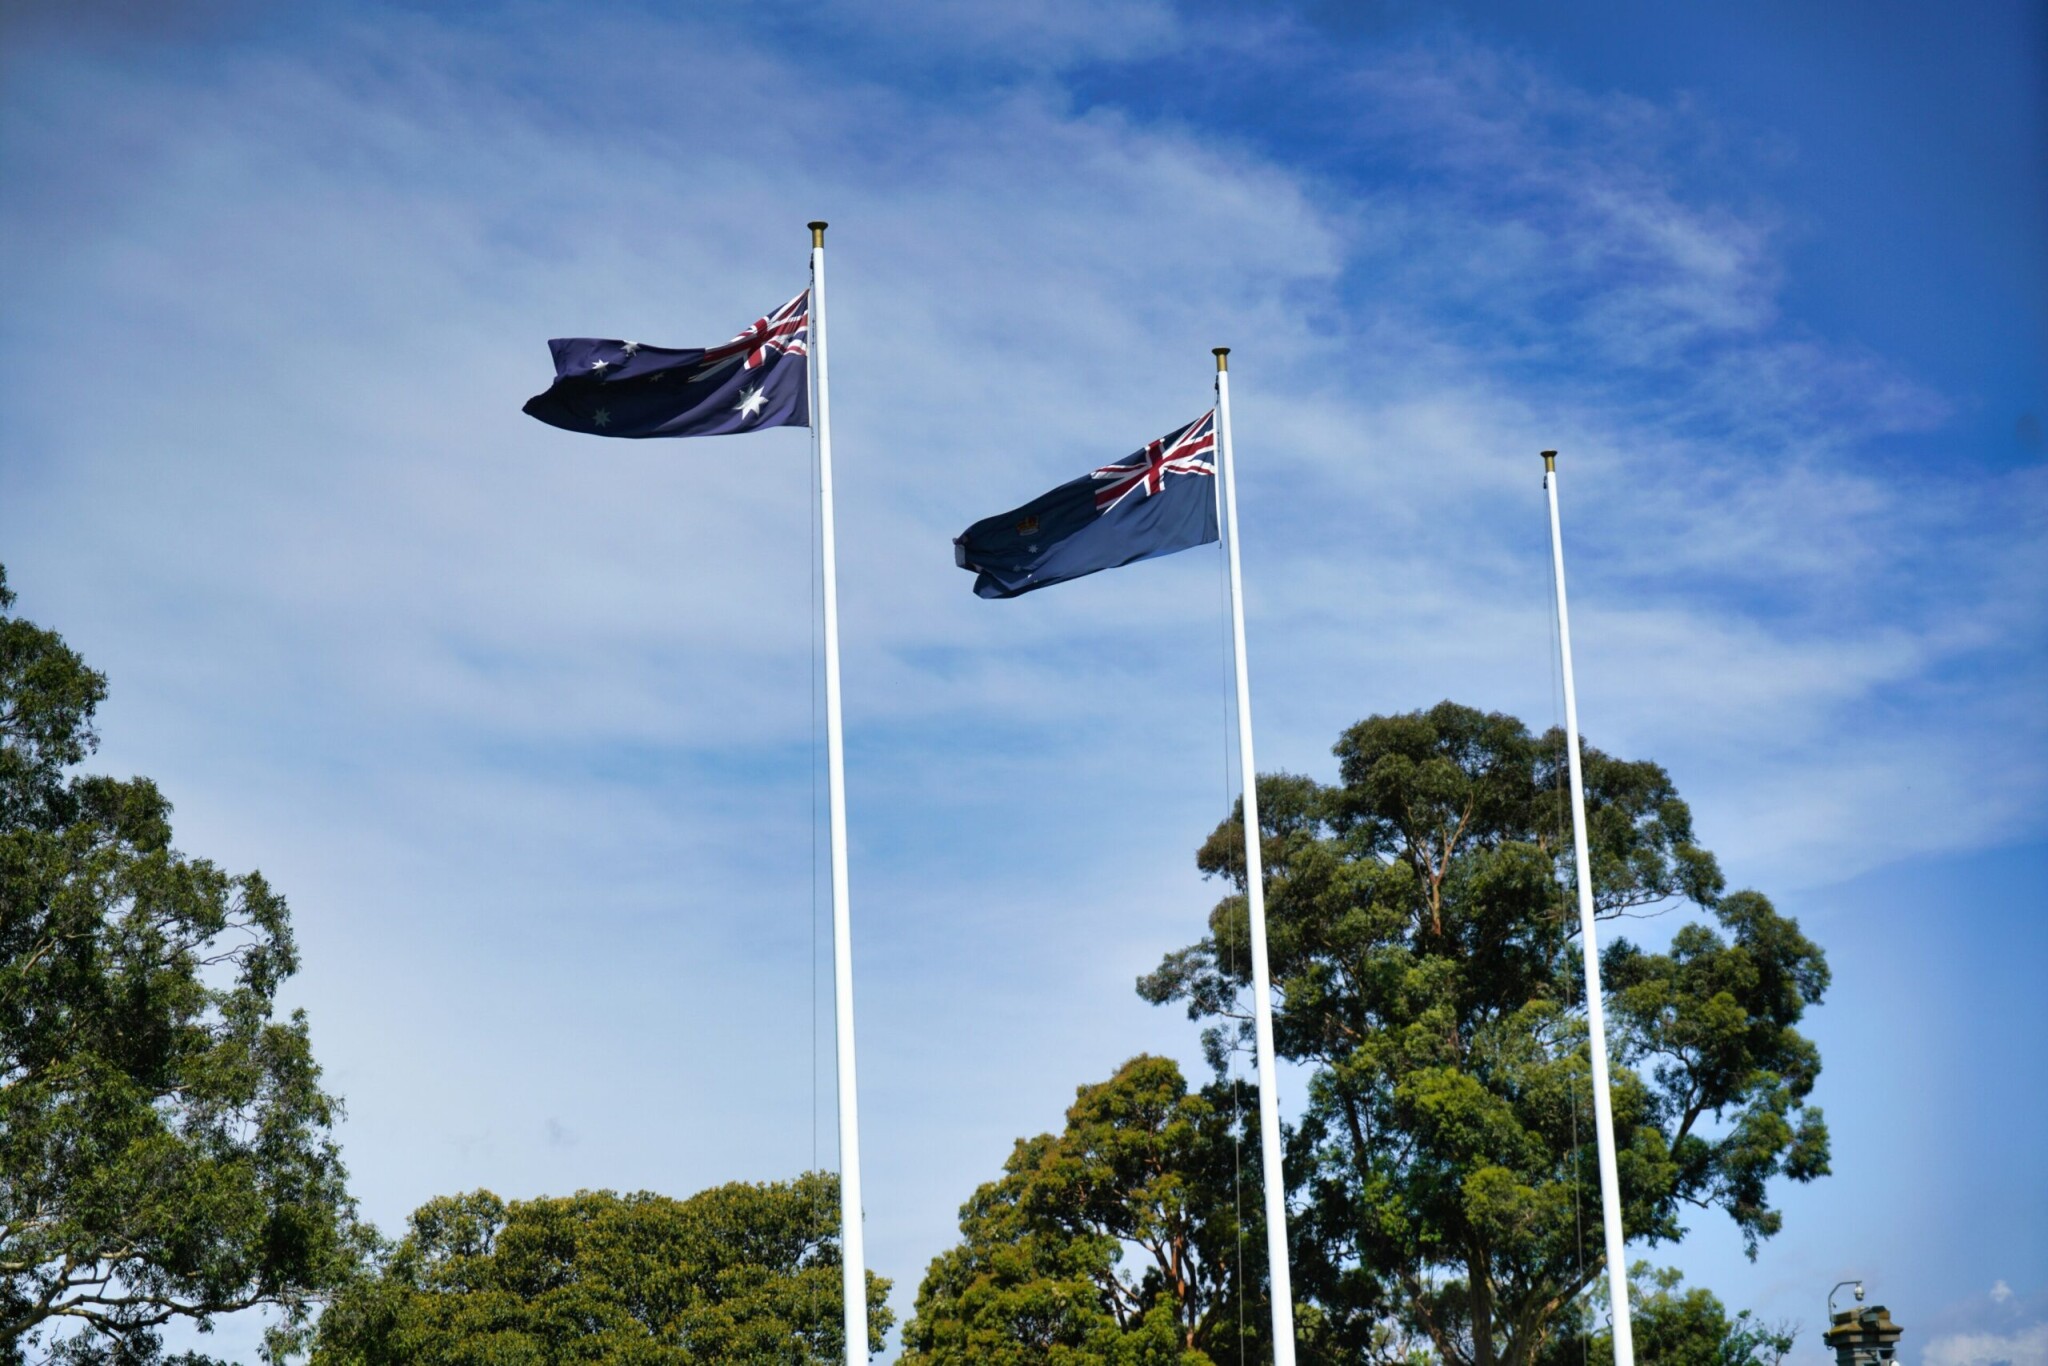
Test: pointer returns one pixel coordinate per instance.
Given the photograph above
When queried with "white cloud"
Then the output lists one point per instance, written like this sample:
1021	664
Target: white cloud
2024	1347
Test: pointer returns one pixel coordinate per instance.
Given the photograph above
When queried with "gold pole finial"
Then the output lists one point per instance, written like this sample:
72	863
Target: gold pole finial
818	226
1222	358
1550	462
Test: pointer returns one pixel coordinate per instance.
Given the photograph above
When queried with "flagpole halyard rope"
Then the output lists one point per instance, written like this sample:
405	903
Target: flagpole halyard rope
817	649
1563	815
1235	1036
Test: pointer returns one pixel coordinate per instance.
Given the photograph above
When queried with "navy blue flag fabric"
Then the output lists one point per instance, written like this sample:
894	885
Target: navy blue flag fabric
621	388
1154	502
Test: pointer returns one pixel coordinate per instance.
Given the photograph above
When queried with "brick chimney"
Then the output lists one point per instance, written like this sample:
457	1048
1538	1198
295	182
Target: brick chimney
1864	1336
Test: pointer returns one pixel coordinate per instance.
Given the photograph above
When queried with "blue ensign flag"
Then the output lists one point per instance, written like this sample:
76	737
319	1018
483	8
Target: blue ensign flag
621	388
1154	502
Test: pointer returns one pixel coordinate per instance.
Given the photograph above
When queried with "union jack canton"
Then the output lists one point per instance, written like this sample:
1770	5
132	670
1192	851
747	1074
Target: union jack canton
1192	452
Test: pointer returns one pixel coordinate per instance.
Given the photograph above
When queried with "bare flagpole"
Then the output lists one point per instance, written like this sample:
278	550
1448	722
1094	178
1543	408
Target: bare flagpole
1596	1016
1255	893
853	1257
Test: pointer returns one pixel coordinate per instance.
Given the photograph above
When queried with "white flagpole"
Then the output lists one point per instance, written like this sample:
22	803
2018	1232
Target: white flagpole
1596	1017
852	1253
1255	893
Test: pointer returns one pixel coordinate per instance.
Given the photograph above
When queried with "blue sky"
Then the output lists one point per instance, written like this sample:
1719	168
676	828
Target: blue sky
524	724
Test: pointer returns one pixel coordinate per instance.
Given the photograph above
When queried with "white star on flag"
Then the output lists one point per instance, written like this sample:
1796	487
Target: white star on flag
752	401
602	417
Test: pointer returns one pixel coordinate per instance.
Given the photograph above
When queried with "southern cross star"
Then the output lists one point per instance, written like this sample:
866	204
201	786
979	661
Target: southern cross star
602	417
600	364
752	401
631	347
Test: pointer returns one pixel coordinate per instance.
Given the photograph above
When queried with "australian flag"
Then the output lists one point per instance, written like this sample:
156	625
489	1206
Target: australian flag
622	388
1153	502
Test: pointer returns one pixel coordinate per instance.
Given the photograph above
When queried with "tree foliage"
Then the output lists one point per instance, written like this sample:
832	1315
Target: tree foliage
1425	967
165	1147
739	1273
1116	1241
1670	1327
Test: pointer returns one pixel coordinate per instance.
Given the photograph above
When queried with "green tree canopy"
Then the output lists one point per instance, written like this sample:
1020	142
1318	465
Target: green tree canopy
1425	967
739	1273
1116	1241
165	1147
1671	1327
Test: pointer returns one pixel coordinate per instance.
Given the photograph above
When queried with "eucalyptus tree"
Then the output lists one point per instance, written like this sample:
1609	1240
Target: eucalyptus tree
166	1149
1426	973
1120	1240
739	1273
1673	1325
